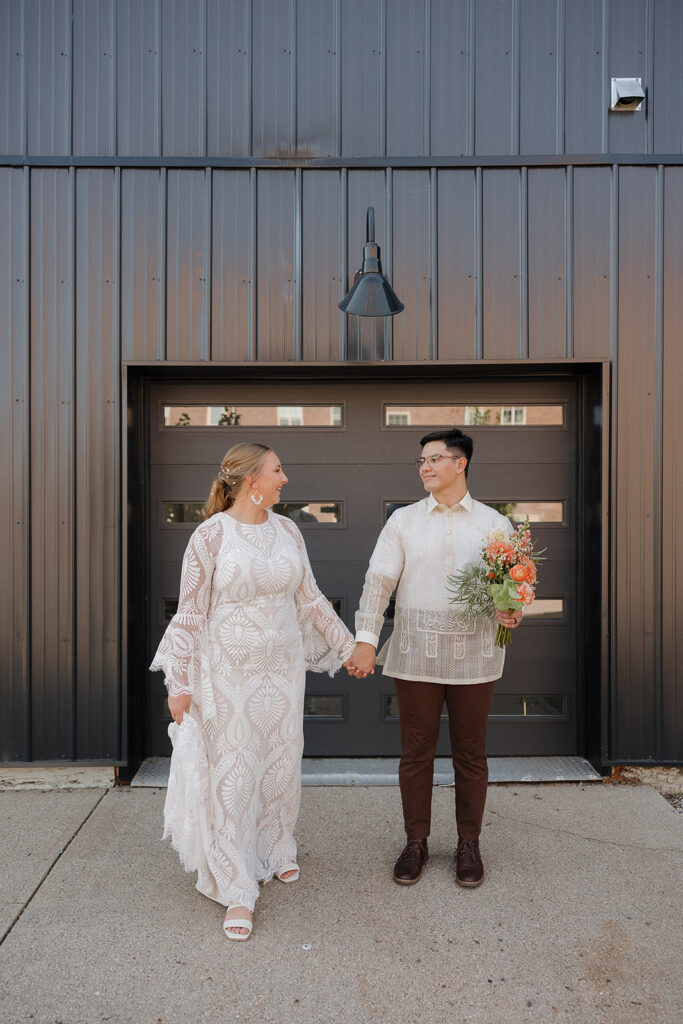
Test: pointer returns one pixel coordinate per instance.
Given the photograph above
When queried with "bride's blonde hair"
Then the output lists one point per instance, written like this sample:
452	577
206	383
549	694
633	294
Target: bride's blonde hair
237	464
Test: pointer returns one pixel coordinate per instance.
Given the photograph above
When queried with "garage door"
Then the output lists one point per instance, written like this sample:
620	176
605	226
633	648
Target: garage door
348	450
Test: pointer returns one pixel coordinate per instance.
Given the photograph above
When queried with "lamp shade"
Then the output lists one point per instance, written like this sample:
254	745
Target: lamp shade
371	294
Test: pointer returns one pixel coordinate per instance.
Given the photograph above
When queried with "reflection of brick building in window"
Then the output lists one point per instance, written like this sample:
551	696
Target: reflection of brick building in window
483	415
253	415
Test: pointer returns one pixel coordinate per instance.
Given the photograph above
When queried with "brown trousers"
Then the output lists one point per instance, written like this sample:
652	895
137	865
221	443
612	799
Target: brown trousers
420	707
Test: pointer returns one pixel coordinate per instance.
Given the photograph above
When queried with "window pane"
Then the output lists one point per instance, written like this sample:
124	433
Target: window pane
169	608
482	415
323	707
537	511
182	512
545	608
537	706
253	416
305	512
391	506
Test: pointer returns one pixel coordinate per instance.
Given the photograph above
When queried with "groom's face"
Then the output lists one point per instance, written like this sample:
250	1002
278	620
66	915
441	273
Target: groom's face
440	471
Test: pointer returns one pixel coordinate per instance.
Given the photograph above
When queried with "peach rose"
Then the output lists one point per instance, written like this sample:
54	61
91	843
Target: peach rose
518	573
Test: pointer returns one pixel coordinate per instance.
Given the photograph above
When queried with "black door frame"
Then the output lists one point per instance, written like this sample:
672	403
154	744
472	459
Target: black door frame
593	505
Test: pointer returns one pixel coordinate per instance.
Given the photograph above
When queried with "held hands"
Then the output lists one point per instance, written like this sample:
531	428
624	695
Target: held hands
179	705
509	618
362	661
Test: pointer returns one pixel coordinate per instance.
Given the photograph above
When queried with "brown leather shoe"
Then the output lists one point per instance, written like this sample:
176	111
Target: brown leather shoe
469	870
408	867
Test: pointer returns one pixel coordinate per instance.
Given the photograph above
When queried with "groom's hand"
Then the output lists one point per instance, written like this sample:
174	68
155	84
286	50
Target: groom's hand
362	661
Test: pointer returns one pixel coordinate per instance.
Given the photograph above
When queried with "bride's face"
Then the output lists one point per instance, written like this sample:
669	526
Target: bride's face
270	480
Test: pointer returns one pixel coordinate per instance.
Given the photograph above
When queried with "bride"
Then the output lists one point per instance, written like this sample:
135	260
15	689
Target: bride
250	621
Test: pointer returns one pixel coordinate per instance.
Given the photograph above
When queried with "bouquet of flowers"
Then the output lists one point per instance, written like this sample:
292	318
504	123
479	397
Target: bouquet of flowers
505	580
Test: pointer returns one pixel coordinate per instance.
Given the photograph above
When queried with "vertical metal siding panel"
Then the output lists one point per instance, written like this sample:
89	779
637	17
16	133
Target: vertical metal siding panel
230	266
12	59
48	54
96	536
665	99
539	63
411	247
546	263
591	264
405	78
584	92
362	68
138	77
141	264
186	305
502	271
364	188
321	270
634	676
183	102
14	463
628	58
273	71
672	478
449	77
457	264
93	80
493	77
276	284
228	60
316	77
51	470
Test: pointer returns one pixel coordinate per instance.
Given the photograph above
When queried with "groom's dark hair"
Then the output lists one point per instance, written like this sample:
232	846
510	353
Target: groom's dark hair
454	440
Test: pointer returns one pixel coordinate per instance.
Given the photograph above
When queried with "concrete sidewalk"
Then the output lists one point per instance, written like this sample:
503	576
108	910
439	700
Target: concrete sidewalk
579	919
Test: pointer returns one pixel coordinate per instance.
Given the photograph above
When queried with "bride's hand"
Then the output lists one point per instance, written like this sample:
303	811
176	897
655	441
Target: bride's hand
179	705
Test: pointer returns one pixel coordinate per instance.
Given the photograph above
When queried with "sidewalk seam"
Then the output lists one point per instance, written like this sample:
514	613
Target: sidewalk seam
60	854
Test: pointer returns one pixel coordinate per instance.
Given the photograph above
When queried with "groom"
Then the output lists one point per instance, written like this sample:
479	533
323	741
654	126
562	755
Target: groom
432	654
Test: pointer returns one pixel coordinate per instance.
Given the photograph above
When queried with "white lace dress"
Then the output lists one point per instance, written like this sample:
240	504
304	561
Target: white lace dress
250	621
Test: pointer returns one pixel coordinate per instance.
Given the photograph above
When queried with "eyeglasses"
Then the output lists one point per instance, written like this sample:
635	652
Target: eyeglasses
434	460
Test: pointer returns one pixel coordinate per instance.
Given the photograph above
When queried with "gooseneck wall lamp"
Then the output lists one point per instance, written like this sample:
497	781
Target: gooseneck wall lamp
371	294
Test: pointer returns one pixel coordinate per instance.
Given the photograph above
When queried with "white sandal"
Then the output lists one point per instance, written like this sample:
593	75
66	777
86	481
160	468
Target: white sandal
283	871
237	922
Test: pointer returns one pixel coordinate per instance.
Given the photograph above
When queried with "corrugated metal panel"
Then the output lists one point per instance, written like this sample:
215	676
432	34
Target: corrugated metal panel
187	270
406	43
634	696
411	264
48	76
97	458
667	60
138	77
52	468
496	128
546	275
183	77
275	246
94	63
672	478
540	111
321	292
628	58
14	468
143	220
365	335
457	268
502	265
273	77
363	78
12	97
591	261
449	78
228	78
585	91
317	77
231	265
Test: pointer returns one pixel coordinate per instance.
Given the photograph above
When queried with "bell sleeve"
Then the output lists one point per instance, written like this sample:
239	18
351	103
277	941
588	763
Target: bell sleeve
384	572
178	654
327	642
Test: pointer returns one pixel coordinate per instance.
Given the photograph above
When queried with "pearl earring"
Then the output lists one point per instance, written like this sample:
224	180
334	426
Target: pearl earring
257	501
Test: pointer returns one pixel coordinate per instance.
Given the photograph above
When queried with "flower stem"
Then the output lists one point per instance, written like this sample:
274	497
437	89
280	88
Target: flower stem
503	636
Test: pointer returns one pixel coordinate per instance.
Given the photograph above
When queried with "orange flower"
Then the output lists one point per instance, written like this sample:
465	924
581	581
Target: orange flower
530	570
492	575
518	573
525	593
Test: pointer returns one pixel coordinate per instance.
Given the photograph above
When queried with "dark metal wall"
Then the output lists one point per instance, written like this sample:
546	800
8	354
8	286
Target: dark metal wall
509	257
